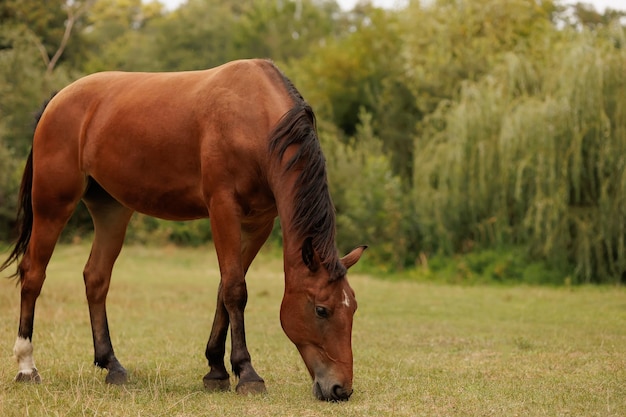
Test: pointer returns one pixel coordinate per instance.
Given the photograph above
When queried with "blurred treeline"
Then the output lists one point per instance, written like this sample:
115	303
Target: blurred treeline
450	127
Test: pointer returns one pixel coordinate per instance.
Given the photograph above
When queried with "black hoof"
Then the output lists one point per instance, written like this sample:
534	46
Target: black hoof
117	377
216	385
31	377
251	388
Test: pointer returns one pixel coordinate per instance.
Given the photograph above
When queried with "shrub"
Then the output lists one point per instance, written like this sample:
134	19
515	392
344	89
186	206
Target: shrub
371	204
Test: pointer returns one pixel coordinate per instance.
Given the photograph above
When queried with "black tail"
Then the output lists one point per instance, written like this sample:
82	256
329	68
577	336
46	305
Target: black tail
24	217
25	208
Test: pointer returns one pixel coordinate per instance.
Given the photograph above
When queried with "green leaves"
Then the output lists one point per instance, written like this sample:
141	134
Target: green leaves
535	158
449	126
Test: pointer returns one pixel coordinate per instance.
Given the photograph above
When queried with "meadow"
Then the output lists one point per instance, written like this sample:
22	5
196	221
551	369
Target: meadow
421	349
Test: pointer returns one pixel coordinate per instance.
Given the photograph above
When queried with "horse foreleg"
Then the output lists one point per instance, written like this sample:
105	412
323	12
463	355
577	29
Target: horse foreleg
218	379
110	221
253	238
227	237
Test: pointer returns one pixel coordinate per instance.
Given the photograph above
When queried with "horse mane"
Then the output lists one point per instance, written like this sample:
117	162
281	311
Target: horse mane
314	212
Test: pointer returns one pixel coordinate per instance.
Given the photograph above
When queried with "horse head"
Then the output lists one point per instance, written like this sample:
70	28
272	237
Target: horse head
316	315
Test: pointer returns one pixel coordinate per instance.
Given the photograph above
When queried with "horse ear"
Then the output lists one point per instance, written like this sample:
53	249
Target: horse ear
309	257
353	257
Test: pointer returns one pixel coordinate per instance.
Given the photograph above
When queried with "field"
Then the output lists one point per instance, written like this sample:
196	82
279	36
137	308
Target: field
420	349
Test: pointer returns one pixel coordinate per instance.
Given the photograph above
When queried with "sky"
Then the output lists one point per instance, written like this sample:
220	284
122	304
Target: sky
600	5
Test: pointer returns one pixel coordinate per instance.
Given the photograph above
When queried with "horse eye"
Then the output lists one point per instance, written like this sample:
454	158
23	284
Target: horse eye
321	312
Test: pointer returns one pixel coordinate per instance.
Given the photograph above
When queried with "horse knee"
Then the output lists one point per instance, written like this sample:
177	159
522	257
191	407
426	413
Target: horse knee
235	295
31	285
96	285
29	290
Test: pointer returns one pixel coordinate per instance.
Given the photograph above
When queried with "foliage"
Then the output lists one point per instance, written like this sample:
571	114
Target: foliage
533	160
370	200
499	265
8	188
117	35
282	30
346	73
21	83
23	87
43	20
490	124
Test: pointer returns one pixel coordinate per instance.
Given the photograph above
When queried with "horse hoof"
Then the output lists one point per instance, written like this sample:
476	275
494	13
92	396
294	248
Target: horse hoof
31	377
216	385
251	388
117	377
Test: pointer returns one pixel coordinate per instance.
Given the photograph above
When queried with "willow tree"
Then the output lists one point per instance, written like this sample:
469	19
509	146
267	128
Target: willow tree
534	154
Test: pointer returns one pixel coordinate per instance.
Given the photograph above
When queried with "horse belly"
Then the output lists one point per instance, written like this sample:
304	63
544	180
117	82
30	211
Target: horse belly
173	203
164	191
155	173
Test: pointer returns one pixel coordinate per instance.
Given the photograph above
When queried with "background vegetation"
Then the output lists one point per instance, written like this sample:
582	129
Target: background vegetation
489	131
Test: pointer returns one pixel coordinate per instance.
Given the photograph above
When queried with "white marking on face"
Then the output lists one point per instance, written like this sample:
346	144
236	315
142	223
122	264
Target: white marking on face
346	300
23	351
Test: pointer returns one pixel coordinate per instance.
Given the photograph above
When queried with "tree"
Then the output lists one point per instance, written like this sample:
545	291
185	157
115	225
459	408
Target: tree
526	155
347	72
461	40
52	24
584	14
283	30
197	35
121	36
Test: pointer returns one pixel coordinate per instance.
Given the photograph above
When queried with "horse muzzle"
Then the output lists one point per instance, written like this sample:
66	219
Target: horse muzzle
325	391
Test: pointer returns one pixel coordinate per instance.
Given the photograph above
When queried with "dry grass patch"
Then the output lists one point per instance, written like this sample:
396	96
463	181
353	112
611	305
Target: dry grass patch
420	349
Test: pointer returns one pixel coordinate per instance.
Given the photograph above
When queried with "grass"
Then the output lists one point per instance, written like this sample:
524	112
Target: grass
420	349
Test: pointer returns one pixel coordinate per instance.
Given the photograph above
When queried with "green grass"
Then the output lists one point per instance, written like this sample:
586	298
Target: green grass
420	349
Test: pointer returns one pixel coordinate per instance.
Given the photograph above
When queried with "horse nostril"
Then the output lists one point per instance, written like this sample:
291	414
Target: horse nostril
341	394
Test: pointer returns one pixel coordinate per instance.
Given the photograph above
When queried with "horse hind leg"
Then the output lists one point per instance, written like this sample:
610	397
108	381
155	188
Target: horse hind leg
49	219
110	220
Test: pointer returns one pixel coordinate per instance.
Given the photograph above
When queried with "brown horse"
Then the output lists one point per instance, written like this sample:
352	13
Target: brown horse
236	143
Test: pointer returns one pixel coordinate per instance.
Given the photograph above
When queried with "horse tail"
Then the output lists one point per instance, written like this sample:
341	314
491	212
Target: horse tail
24	220
24	217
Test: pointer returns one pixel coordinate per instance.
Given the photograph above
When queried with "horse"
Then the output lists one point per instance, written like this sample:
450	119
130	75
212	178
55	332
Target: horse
235	143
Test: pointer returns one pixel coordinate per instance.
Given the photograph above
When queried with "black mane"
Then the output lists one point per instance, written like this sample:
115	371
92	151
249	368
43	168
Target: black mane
314	212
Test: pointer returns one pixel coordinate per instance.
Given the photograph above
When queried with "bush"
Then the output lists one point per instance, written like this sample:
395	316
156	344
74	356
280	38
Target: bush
371	204
502	265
